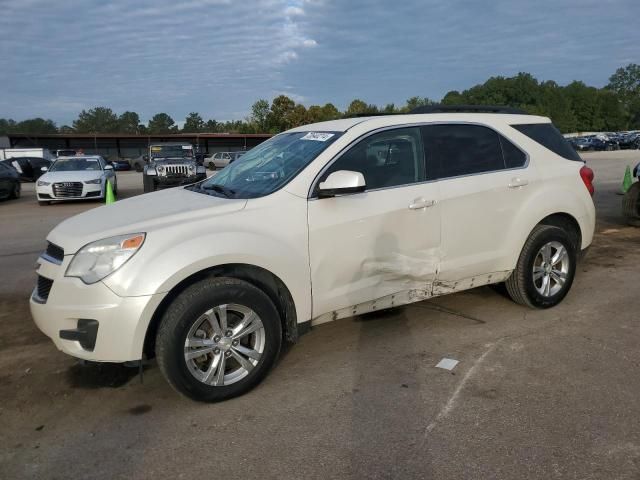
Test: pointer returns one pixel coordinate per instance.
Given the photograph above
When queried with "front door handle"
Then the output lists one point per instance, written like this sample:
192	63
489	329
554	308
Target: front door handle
518	182
420	203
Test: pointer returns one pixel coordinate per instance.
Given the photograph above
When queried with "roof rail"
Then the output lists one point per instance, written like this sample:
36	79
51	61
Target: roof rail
468	109
372	114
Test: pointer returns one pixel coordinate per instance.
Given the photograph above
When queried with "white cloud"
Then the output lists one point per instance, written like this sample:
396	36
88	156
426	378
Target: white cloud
293	11
309	42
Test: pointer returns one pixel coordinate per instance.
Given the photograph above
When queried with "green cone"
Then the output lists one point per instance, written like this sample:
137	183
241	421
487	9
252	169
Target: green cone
627	180
109	196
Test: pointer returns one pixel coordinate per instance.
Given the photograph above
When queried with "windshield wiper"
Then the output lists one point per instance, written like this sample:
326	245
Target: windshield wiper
227	192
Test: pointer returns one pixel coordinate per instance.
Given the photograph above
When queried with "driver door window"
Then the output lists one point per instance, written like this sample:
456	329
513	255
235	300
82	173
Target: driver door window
387	159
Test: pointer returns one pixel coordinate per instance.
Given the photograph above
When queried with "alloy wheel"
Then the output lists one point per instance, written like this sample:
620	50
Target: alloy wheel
550	268
224	344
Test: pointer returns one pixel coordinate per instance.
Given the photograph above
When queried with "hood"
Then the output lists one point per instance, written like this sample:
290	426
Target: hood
143	213
75	176
172	160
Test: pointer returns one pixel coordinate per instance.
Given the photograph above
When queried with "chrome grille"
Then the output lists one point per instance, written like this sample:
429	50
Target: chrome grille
176	169
67	189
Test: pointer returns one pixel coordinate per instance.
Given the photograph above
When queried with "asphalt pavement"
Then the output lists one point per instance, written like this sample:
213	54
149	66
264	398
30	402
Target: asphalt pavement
537	394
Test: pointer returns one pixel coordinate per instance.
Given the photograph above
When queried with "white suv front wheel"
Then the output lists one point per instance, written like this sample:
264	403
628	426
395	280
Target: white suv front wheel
545	269
218	339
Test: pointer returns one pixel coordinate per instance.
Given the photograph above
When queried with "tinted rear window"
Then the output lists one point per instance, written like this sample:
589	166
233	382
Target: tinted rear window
457	150
548	136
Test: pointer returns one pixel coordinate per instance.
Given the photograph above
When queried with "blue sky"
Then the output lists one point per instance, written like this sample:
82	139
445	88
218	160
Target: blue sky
217	57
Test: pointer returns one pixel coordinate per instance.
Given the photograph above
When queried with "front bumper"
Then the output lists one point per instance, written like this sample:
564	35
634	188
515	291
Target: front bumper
176	180
72	311
89	191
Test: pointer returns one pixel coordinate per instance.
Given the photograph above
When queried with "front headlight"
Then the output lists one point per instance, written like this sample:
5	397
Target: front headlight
94	181
42	183
191	167
96	260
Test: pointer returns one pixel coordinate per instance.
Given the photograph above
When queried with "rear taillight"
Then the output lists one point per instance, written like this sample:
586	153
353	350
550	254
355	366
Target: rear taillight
587	177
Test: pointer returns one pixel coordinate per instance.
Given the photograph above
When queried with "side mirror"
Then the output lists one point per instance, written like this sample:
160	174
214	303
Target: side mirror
341	182
108	167
44	169
145	158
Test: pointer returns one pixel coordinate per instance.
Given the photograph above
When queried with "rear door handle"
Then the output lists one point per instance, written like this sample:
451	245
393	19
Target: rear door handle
420	203
518	182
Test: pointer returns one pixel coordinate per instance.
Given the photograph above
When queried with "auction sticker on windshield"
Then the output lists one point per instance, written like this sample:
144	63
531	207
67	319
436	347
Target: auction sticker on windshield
318	136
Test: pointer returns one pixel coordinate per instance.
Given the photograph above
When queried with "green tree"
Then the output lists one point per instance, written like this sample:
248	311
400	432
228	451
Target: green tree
129	122
279	117
260	115
330	112
7	125
357	107
193	123
626	83
96	120
211	126
36	126
162	123
415	102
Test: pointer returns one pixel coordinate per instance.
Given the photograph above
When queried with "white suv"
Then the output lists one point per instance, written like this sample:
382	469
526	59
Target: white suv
318	223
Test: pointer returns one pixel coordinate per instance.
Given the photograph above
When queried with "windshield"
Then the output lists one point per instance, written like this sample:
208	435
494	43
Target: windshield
171	151
75	164
269	166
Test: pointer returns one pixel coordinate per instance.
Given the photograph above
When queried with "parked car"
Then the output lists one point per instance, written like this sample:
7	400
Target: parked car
631	200
583	144
66	152
630	141
82	177
139	163
171	165
120	164
213	277
222	159
9	182
29	168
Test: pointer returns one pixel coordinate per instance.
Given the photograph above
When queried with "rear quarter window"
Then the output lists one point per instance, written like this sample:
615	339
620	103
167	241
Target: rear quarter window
549	137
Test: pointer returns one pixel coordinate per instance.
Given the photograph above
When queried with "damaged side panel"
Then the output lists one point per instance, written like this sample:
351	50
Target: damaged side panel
404	297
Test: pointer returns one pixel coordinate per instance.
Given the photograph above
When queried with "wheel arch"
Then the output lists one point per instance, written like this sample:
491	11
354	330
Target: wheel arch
260	277
568	223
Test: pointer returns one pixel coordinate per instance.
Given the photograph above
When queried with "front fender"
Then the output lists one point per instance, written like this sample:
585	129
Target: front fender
274	241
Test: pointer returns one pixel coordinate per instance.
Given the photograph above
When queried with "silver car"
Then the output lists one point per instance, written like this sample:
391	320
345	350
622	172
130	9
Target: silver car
221	159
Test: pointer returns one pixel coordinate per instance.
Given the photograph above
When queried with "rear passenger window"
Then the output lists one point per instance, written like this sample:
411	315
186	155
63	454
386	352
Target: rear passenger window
550	137
456	150
385	159
513	156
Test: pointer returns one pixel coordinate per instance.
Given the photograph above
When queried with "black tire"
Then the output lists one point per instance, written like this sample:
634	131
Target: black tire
148	184
16	191
631	205
187	308
520	285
